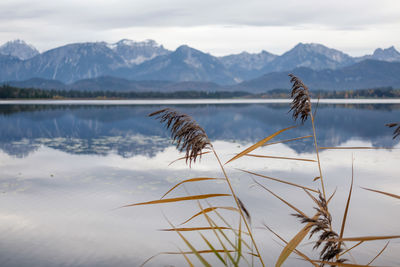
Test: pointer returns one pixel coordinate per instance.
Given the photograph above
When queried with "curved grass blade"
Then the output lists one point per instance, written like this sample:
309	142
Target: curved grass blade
213	249
275	157
287	140
202	260
296	251
347	207
380	253
382	192
229	226
279	180
281	199
347	250
356	147
366	238
189	181
149	259
213	225
191	252
186	258
188	229
294	242
177	199
332	263
200	154
330	198
258	144
239	243
206	210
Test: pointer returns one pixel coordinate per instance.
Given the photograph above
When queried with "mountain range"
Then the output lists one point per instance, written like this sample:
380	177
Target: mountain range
129	65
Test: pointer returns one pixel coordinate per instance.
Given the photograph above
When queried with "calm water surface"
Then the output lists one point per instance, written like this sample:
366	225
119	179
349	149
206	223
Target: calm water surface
65	169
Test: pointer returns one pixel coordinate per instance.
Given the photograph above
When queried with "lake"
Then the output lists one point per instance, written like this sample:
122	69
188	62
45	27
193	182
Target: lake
68	167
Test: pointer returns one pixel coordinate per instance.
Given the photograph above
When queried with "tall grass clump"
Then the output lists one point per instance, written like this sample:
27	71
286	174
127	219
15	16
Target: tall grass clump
235	244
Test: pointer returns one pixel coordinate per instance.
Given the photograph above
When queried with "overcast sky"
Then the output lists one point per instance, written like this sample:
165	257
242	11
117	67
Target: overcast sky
219	27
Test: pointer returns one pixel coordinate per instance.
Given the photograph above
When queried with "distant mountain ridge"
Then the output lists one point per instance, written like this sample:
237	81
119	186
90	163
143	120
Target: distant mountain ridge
362	75
149	61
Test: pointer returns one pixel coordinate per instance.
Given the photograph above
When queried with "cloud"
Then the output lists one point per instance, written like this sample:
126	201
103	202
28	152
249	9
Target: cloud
250	25
161	13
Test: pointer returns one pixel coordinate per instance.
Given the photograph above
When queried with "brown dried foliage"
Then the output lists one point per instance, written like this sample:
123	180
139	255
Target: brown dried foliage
323	226
244	209
185	132
301	104
396	131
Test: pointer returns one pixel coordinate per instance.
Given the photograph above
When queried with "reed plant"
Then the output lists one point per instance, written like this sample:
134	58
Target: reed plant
235	244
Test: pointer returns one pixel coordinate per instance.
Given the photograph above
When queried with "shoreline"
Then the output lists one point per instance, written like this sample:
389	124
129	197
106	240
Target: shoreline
188	101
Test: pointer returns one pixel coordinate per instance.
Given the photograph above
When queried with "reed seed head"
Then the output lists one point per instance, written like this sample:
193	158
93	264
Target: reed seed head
323	226
396	132
185	132
301	104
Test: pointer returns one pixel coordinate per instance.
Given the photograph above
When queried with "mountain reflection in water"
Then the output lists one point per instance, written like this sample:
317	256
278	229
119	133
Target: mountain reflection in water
65	169
128	131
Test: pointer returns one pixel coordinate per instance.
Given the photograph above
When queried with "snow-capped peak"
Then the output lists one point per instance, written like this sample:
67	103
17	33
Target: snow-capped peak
19	48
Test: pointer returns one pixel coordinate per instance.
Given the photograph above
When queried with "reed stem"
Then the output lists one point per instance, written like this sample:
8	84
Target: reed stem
238	205
317	152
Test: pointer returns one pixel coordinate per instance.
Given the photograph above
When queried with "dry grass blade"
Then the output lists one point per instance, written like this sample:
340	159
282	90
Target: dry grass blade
356	147
369	238
343	264
186	258
149	259
294	242
279	180
333	194
229	226
213	225
207	210
287	140
191	252
177	199
216	253
382	192
188	229
380	253
189	181
202	260
258	144
347	206
281	199
240	211
275	157
348	250
312	197
182	158
296	251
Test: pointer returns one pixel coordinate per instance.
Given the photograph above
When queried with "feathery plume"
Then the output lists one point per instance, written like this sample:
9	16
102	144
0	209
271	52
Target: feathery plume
323	225
396	131
185	132
301	104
